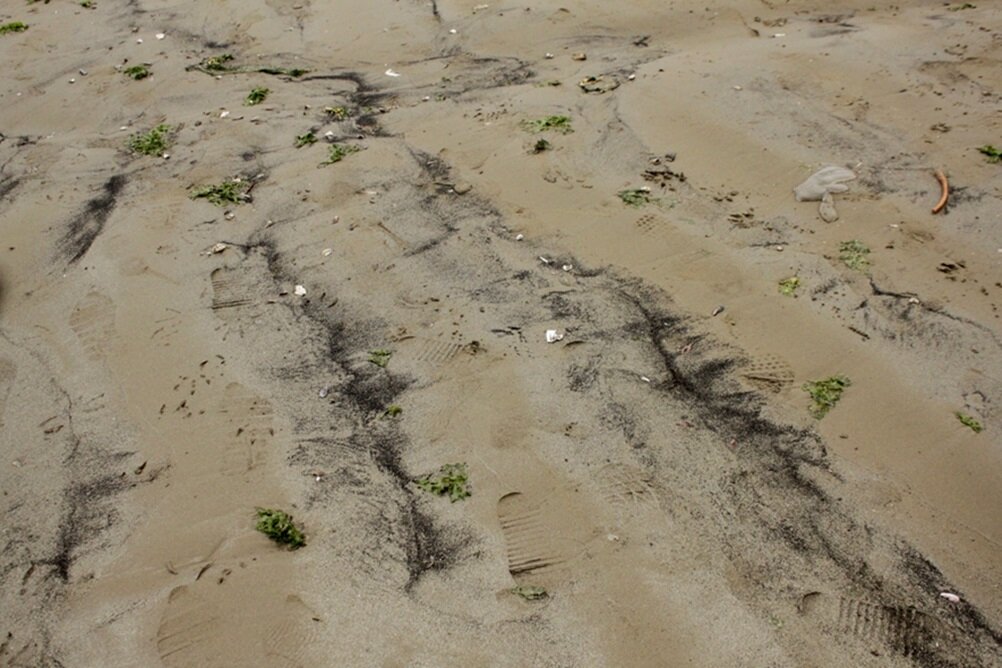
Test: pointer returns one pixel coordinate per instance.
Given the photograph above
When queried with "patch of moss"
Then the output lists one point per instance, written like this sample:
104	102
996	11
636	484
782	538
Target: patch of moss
154	142
339	152
825	394
227	192
969	422
451	480
853	254
278	526
561	124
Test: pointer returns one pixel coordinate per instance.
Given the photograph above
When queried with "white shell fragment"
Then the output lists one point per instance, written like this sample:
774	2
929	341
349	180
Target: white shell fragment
300	291
952	598
391	73
826	180
218	248
552	336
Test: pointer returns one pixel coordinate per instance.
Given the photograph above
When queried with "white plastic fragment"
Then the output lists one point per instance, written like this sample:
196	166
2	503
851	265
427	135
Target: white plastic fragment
218	248
327	252
952	598
139	40
224	114
300	291
391	73
645	379
544	259
519	237
552	336
567	267
160	35
453	31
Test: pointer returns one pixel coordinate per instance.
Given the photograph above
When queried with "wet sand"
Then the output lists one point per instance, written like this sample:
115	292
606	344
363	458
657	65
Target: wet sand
656	470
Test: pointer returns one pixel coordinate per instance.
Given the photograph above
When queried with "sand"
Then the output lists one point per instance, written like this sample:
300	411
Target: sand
657	470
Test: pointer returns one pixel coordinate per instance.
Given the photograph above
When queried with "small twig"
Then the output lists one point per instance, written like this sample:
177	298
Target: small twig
946	191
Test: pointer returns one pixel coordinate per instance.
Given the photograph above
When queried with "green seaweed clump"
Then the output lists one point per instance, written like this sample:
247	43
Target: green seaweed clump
380	357
306	139
154	142
825	394
13	26
788	286
227	192
393	410
278	525
339	152
853	254
256	96
137	72
451	480
530	592
636	197
969	422
217	63
991	153
337	113
561	124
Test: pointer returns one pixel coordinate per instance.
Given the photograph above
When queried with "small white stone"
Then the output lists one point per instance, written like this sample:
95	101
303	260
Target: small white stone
300	291
160	35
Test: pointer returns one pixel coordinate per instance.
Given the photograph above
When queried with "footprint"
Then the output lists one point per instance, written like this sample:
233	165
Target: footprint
189	632
248	429
626	488
536	533
903	629
768	373
93	321
290	642
430	351
7	373
228	290
649	223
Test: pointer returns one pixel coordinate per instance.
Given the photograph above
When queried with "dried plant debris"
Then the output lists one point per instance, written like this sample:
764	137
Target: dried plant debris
278	525
788	286
451	480
337	113
530	592
992	154
969	422
256	96
234	191
636	197
825	394
853	254
153	142
339	152
138	72
561	124
12	27
380	357
306	139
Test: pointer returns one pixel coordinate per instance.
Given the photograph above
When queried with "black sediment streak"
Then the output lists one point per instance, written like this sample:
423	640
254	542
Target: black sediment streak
89	223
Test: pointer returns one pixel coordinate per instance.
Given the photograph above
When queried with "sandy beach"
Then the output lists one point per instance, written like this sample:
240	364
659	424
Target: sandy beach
301	255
